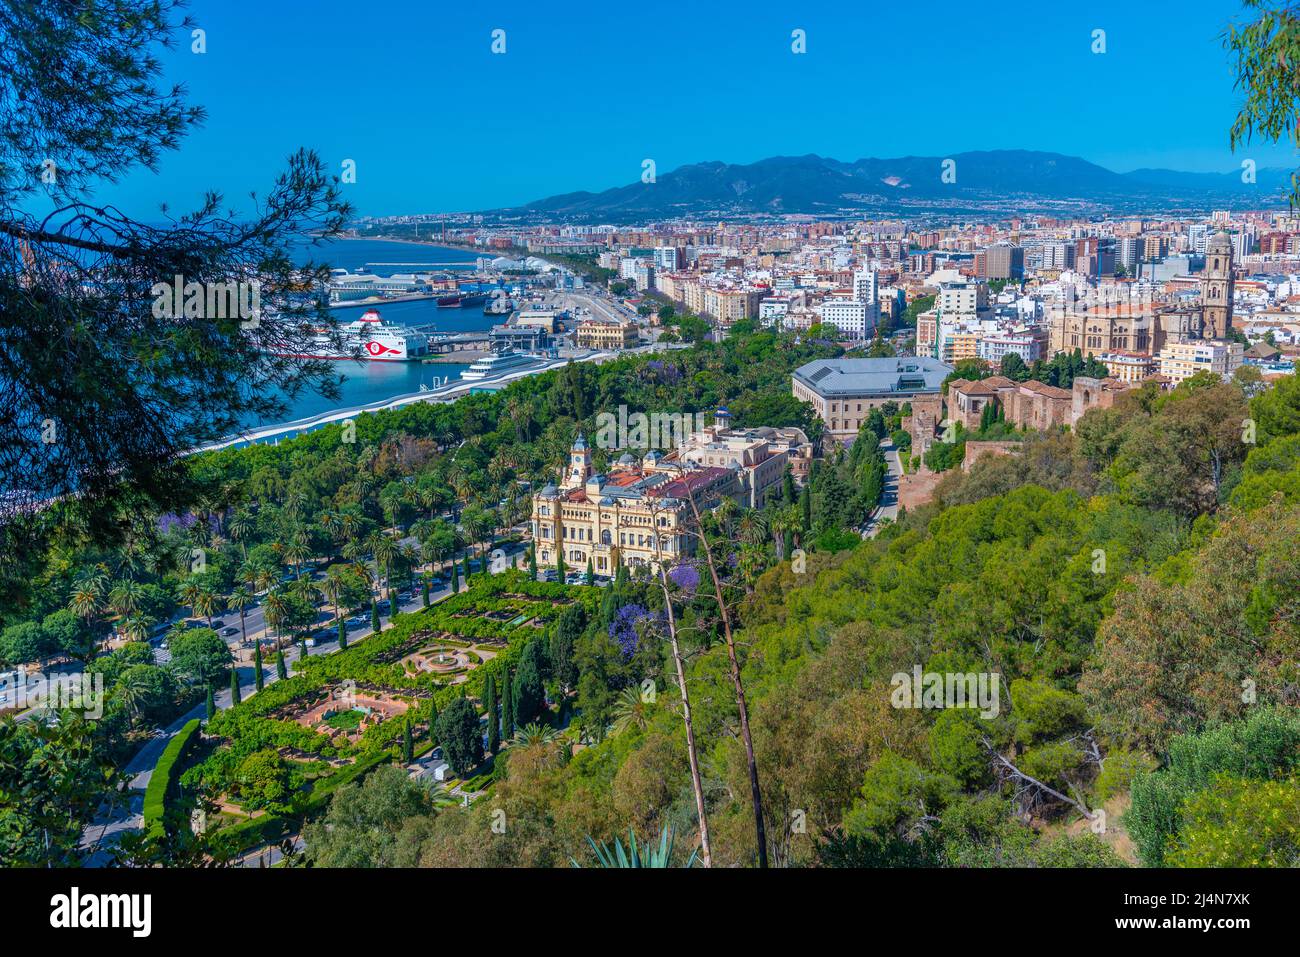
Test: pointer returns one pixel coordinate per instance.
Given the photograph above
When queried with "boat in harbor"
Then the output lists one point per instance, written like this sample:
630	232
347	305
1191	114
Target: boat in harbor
498	362
456	300
368	338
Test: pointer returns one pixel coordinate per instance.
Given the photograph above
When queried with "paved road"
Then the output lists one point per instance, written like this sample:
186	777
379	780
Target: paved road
888	507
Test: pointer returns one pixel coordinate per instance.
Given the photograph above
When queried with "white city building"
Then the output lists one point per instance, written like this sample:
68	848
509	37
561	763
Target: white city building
855	320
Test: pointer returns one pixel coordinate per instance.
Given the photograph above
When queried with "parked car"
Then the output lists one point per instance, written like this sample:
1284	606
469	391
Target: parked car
232	630
217	622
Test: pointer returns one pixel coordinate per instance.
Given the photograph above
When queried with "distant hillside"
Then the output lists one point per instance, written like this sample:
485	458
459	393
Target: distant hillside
989	181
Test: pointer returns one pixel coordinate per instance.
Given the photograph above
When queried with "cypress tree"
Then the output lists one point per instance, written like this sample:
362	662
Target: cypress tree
490	705
590	576
787	488
258	679
467	572
212	705
805	506
281	671
424	591
343	634
374	616
532	562
302	645
455	579
507	706
559	562
433	722
528	693
234	687
408	744
393	607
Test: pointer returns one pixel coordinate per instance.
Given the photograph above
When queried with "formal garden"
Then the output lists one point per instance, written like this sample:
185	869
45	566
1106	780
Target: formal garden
264	766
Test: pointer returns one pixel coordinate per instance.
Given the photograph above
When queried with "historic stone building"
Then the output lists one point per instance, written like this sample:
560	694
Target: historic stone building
1032	404
1217	288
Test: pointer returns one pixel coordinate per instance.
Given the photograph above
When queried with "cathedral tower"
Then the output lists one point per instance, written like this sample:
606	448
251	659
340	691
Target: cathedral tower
1216	288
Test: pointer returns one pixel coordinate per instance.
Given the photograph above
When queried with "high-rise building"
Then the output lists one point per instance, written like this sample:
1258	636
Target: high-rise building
667	258
866	285
1004	261
1058	256
1129	251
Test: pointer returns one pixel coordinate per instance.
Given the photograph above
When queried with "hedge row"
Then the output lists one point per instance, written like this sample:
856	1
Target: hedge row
164	777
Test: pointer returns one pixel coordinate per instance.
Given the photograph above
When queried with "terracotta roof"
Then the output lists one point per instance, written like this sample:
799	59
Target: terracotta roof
1048	391
1000	382
692	481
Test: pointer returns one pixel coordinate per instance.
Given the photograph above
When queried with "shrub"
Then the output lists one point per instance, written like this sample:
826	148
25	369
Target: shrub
163	778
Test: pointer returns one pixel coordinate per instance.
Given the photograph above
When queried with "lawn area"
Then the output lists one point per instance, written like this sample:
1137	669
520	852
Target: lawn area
348	720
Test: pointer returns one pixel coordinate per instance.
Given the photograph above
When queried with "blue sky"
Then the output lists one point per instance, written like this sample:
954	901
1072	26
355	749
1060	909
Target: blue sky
411	91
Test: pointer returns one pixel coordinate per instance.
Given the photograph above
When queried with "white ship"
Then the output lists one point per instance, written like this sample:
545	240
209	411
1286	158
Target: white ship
497	363
374	339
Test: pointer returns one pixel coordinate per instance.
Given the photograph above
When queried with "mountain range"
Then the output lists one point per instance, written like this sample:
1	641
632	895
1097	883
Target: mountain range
986	182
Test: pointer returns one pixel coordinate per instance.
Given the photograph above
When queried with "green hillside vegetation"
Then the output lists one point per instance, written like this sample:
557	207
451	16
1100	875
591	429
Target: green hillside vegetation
1128	583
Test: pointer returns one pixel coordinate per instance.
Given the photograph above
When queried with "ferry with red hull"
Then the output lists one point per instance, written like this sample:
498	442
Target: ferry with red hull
371	338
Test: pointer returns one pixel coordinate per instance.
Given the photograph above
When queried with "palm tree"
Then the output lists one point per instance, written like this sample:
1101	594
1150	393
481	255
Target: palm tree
188	593
206	603
331	523
631	710
307	590
137	626
334	586
410	560
241	529
277	611
778	525
133	690
240	599
296	554
725	513
265	579
752	527
384	548
475	527
459	482
539	745
124	598
87	599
